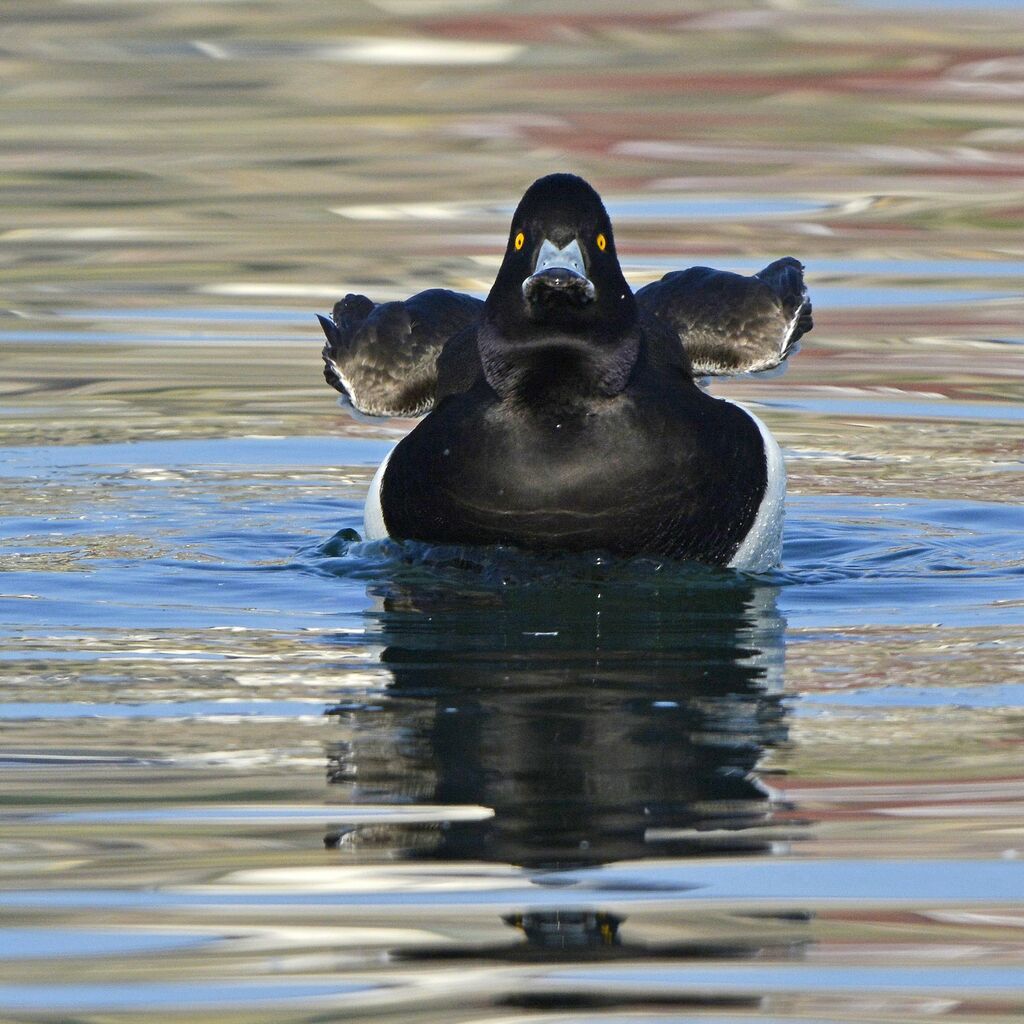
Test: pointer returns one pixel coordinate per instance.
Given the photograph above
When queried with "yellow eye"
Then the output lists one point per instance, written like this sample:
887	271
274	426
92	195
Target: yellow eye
602	243
520	238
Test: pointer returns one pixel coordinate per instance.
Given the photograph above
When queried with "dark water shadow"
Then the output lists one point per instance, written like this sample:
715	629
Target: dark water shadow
603	712
600	722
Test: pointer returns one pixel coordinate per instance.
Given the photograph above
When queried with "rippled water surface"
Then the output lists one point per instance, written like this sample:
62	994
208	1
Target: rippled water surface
256	769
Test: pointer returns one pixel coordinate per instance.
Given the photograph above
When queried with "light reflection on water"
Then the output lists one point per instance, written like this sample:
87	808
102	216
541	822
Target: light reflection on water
255	767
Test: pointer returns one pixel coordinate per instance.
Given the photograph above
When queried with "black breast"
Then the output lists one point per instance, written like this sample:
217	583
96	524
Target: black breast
660	469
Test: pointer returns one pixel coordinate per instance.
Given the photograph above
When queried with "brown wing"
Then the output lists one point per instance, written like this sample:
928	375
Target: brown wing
728	323
384	357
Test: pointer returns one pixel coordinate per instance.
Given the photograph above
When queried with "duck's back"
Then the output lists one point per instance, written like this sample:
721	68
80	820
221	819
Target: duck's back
661	469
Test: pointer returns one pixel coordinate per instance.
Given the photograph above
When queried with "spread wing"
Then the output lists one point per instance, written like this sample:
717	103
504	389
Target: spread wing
384	357
729	323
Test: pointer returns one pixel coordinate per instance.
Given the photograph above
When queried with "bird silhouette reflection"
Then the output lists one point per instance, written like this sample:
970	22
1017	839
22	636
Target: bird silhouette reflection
600	719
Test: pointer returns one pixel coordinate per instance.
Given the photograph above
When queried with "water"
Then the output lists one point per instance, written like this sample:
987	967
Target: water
257	769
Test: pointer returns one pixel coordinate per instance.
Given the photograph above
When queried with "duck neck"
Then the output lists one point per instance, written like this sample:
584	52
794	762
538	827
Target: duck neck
556	371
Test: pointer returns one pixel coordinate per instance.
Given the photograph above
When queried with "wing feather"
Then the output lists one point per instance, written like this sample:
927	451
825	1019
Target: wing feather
728	323
383	357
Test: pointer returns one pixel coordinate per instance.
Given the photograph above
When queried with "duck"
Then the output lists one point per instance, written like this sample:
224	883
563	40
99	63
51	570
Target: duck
566	412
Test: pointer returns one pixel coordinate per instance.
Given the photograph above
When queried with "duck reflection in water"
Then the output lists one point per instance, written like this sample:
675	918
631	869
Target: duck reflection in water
600	720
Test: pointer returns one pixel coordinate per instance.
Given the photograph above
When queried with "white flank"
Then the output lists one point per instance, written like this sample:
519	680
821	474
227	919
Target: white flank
373	514
761	549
